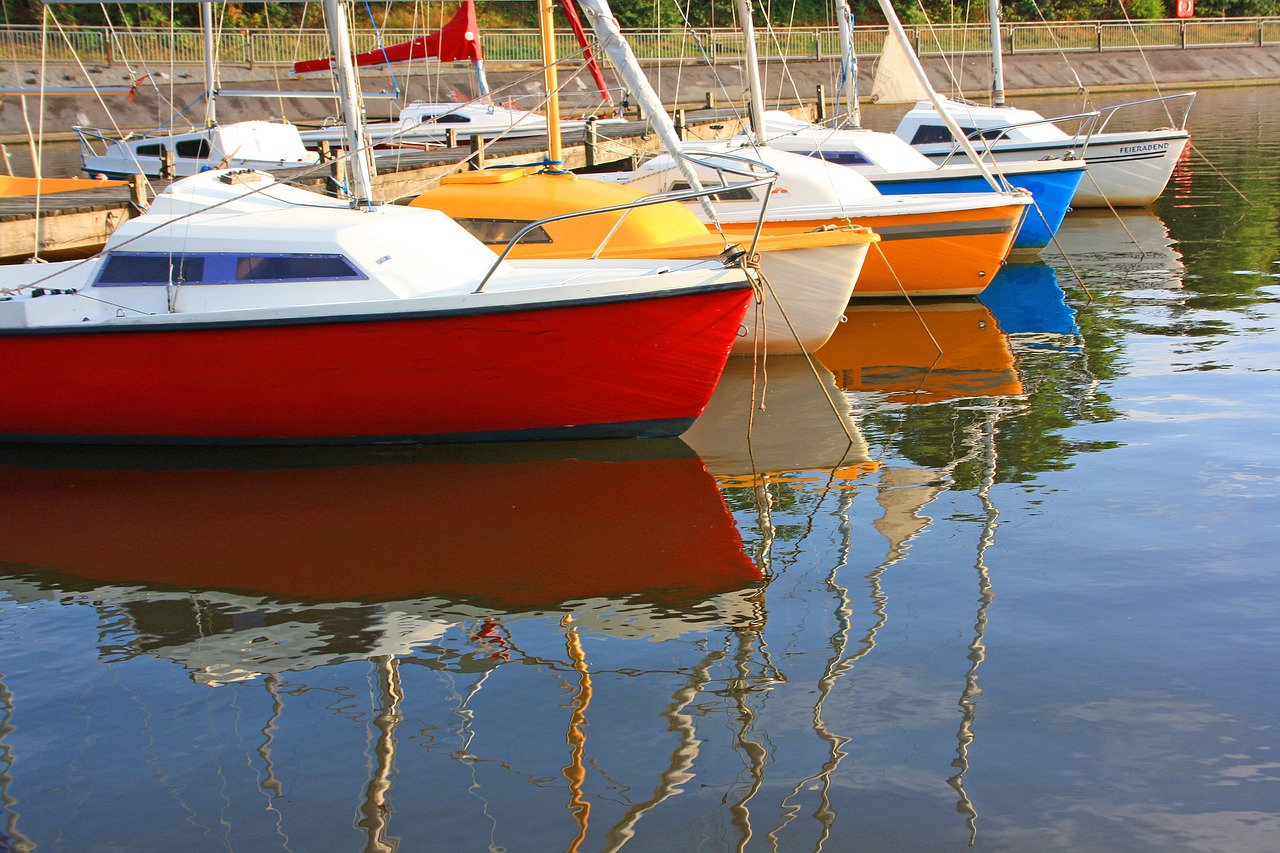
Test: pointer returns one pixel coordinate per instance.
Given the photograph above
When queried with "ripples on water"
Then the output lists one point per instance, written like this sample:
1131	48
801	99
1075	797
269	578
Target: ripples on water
1020	594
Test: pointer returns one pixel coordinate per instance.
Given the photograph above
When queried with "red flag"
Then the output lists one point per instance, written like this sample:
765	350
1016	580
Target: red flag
456	40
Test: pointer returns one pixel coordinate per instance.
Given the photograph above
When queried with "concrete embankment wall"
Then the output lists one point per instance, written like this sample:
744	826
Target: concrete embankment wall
155	100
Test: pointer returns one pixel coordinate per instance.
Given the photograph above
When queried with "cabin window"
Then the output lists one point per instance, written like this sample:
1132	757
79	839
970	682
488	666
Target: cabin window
930	133
841	158
196	149
736	194
126	268
155	150
499	232
449	118
294	268
161	268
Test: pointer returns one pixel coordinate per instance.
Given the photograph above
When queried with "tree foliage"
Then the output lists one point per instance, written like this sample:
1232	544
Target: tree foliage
639	14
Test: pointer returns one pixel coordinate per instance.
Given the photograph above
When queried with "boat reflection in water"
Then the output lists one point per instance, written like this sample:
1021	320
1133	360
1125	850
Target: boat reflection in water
1032	309
778	425
927	352
776	416
931	383
249	570
1132	245
401	542
894	357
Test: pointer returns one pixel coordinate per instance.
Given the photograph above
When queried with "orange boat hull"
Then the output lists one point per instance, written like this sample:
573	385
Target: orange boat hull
956	253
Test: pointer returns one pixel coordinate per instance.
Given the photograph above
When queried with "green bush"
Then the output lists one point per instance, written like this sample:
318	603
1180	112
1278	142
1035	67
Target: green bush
1147	9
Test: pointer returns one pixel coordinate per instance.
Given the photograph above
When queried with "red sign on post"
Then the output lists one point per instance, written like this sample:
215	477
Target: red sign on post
1184	8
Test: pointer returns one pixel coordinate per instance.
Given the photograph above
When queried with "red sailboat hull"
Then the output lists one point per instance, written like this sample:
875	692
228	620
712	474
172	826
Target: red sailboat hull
625	367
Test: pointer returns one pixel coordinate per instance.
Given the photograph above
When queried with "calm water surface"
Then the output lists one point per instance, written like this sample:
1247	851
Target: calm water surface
1020	595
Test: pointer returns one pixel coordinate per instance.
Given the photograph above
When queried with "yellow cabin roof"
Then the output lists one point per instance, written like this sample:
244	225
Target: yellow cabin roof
495	203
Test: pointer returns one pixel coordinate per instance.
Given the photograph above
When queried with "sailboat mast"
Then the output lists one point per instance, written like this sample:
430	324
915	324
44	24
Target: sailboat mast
547	33
624	60
895	27
210	84
359	152
997	57
848	66
756	105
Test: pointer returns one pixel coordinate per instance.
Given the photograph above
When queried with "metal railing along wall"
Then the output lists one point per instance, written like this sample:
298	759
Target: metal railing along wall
144	46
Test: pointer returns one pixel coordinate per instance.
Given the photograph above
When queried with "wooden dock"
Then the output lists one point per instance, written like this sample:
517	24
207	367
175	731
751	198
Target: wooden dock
69	225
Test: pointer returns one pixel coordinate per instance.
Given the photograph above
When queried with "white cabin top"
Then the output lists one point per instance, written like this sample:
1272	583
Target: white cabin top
803	182
235	245
872	152
923	126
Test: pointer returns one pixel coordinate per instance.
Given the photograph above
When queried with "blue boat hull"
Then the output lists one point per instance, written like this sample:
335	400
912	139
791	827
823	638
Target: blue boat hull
1052	192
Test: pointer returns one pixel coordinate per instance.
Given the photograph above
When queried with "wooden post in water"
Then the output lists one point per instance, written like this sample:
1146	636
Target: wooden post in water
475	160
590	139
678	121
168	169
820	112
138	191
711	100
8	166
337	166
451	137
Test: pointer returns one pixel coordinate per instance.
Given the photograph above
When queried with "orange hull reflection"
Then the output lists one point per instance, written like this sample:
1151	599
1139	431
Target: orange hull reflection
506	527
946	351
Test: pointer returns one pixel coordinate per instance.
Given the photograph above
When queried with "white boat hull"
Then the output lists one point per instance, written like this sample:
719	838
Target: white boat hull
806	293
1122	169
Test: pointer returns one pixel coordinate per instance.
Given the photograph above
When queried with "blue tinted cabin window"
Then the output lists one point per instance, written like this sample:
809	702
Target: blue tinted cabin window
162	268
930	133
124	268
294	268
841	158
154	150
450	118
